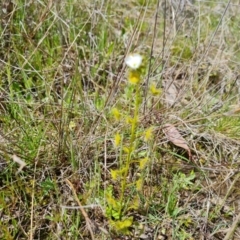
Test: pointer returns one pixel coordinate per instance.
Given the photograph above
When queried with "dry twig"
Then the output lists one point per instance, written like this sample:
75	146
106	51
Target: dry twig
87	219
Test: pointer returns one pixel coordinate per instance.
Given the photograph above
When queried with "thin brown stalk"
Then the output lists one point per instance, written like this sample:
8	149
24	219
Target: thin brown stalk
84	213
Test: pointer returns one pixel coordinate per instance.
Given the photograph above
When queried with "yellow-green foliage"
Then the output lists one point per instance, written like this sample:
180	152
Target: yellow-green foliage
117	207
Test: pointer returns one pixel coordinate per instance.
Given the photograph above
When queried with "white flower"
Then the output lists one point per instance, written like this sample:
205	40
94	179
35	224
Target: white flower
133	60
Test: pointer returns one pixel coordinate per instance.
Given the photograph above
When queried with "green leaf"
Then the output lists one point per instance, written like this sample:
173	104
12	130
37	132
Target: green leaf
122	225
118	173
114	207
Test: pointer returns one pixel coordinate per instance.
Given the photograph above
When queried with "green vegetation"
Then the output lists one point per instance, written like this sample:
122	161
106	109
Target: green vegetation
85	152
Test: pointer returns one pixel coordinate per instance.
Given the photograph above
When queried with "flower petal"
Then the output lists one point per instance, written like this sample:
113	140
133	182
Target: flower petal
133	60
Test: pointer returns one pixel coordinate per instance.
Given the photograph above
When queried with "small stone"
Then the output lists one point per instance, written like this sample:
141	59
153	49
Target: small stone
143	236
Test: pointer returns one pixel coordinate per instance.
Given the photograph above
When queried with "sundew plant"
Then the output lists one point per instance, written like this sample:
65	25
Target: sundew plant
127	142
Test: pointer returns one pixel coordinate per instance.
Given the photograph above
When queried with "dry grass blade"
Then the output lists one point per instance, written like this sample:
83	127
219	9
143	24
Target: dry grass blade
232	228
18	160
87	219
232	112
176	138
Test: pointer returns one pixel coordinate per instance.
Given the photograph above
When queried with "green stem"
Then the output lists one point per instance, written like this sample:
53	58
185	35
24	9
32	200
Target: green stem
131	149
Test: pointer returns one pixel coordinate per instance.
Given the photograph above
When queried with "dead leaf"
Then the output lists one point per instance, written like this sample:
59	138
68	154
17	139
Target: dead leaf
171	93
176	138
18	160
